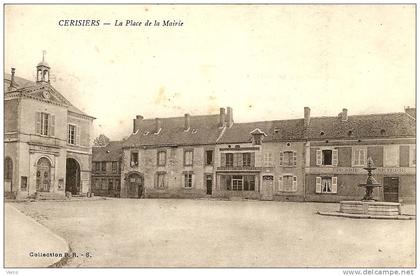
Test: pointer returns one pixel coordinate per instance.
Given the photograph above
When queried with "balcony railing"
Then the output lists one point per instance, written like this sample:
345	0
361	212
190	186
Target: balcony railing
239	168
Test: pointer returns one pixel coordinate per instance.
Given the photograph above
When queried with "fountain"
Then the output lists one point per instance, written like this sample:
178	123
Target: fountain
368	207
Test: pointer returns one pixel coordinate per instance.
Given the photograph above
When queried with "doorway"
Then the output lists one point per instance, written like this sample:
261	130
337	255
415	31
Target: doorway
134	184
391	186
43	175
267	187
209	184
72	176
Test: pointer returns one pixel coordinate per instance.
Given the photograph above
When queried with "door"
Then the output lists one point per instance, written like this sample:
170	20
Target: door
391	185
209	183
43	175
134	186
267	187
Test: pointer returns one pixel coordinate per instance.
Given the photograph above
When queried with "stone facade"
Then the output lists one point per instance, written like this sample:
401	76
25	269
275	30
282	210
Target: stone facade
42	158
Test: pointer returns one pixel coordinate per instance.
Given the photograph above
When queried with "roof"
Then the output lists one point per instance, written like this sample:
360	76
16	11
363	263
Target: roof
411	111
27	86
204	129
111	152
275	130
362	126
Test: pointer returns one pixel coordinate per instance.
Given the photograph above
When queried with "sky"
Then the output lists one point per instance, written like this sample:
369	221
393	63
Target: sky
267	62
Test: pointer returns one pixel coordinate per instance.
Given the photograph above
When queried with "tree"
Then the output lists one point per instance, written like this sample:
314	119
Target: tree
101	141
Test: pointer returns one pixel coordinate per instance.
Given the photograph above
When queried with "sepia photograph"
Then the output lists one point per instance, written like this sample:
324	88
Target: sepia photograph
210	136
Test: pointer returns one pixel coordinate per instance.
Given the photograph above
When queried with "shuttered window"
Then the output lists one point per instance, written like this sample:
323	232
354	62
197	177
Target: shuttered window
45	123
268	159
287	183
326	185
288	158
327	157
188	180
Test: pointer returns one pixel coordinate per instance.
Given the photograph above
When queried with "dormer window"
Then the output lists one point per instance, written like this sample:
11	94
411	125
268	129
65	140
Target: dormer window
257	136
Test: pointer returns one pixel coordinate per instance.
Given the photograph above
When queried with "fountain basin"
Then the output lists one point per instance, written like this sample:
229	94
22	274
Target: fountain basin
377	208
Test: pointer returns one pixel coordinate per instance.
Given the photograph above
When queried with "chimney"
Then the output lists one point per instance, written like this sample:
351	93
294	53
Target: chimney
229	116
187	122
158	125
306	116
222	117
136	122
12	79
344	116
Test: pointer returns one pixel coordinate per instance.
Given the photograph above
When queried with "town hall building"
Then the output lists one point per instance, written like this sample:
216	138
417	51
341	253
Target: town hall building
47	140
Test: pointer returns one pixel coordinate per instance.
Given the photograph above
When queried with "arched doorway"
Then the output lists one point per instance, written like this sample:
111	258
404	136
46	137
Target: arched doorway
43	175
72	176
8	174
134	185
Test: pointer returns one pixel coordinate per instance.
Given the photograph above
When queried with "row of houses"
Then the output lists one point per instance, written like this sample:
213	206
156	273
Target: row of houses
48	152
308	159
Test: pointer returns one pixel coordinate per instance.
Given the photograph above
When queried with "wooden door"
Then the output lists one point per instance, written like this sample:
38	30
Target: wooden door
267	188
134	186
391	187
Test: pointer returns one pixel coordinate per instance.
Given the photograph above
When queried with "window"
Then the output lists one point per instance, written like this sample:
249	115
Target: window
188	158
287	183
413	156
246	159
160	181
268	159
117	185
327	157
229	159
23	183
45	123
72	135
359	156
288	158
134	158
114	166
103	166
97	166
110	184
161	158
188	180
326	185
238	182
209	157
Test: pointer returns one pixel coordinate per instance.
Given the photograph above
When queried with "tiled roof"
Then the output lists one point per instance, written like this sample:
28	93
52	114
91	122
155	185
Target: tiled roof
203	129
362	126
111	152
279	130
21	84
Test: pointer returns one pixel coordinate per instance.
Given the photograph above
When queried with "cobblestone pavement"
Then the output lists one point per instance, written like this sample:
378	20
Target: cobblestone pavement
202	233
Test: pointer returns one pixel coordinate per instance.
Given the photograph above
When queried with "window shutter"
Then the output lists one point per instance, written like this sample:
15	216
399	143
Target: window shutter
192	180
77	135
318	157
294	158
334	185
38	122
334	157
318	185
280	184
363	157
294	184
235	160
156	181
253	159
183	180
51	131
223	160
281	159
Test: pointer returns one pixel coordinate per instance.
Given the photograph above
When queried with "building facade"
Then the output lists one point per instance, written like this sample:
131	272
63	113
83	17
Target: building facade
337	150
309	159
47	139
106	169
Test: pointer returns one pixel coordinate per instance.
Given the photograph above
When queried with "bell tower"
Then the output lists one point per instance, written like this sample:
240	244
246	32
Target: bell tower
43	70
